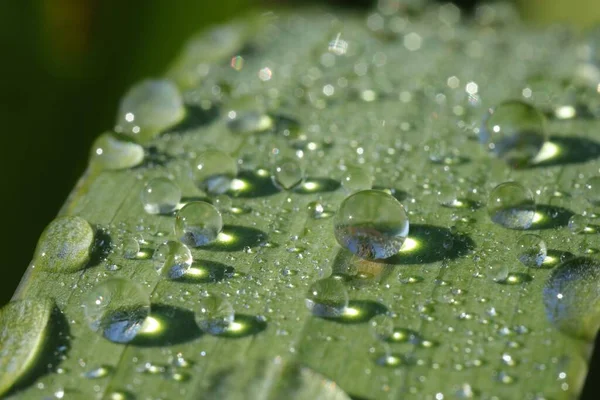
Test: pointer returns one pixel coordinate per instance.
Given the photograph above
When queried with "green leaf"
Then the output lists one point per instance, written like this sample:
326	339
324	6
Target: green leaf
404	100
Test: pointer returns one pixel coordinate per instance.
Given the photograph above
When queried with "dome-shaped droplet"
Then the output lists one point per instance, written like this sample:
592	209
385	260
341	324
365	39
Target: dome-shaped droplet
214	314
572	298
213	171
355	179
371	224
382	327
532	250
116	309
149	108
249	122
160	196
172	259
223	203
198	223
111	153
327	298
577	223
515	132
65	245
511	205
287	174
592	190
130	247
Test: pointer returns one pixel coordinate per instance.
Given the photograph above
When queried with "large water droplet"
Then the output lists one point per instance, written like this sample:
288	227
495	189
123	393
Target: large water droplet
198	223
356	179
327	298
116	309
287	174
109	152
214	170
214	314
514	131
572	298
371	224
23	331
65	245
160	196
172	259
149	108
532	250
511	205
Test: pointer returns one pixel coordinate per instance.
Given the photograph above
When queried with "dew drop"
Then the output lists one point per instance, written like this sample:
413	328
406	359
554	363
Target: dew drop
160	196
223	203
214	170
65	245
97	373
327	298
511	205
172	259
371	224
198	223
287	174
382	327
116	309
578	223
249	122
214	314
592	190
356	179
515	132
532	250
149	108
498	272
130	247
110	153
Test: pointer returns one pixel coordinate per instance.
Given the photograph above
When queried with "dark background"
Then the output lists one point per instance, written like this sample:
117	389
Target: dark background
65	64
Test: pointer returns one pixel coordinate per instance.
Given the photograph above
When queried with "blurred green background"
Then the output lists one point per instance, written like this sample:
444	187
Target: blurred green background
65	64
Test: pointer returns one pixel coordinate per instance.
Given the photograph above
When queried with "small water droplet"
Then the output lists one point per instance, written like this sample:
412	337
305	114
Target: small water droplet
160	196
498	272
371	224
172	259
214	314
198	223
98	372
249	122
214	170
592	190
532	250
112	153
356	179
382	327
223	203
130	246
511	205
287	173
578	223
327	298
116	309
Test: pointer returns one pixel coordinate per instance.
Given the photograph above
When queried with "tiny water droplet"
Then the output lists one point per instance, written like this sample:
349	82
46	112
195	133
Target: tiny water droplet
116	309
214	170
511	205
371	224
198	223
214	314
172	259
356	179
327	298
532	250
160	196
287	173
111	153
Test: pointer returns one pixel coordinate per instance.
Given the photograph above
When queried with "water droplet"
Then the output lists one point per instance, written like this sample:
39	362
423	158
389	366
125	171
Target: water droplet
382	327
287	174
214	170
110	153
249	122
24	326
572	299
327	298
578	223
116	309
223	203
130	247
97	373
592	190
214	314
514	131
172	259
65	245
198	223
356	179
532	250
498	272
160	196
371	224
511	205
149	108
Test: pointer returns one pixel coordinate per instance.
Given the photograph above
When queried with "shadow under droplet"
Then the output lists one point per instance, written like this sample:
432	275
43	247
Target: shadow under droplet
55	347
358	312
101	249
195	117
317	185
243	326
204	271
171	325
398	194
564	150
550	217
251	184
428	244
236	238
189	199
554	258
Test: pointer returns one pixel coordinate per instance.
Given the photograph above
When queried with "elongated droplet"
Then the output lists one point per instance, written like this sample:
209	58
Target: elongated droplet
111	153
371	224
172	259
198	223
327	298
511	205
65	245
160	196
116	309
214	314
